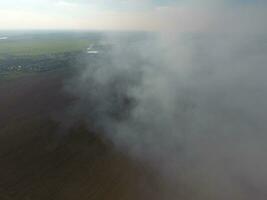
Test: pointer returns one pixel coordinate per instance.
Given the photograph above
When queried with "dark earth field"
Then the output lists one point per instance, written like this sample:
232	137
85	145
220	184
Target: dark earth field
41	159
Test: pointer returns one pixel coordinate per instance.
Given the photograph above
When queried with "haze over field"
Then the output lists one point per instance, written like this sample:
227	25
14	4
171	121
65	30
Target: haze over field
191	104
184	93
194	109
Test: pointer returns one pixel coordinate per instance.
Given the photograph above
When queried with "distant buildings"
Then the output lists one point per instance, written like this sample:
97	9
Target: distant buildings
90	51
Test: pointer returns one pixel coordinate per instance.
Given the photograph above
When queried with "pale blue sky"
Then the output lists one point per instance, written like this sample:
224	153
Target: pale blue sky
102	14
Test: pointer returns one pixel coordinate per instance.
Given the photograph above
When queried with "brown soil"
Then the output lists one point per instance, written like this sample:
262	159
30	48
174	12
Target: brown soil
40	162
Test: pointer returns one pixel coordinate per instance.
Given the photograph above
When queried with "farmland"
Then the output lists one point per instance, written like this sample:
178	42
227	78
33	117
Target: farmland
44	156
24	53
45	151
41	47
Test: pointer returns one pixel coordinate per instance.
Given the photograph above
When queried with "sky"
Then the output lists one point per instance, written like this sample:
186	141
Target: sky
111	14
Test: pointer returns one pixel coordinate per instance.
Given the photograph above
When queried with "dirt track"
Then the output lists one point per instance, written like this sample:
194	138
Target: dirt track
38	162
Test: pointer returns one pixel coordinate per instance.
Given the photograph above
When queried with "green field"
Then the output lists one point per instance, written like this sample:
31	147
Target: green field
42	46
40	51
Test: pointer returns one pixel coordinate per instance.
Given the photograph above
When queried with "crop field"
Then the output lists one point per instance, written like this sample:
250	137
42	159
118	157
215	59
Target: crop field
41	47
22	53
45	151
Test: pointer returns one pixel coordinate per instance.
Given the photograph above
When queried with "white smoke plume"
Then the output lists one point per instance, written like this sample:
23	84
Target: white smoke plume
192	105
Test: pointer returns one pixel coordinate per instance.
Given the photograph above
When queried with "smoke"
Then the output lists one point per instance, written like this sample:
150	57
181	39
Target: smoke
191	105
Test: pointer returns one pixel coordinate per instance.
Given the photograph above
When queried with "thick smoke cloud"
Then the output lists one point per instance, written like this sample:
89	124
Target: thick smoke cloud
191	105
